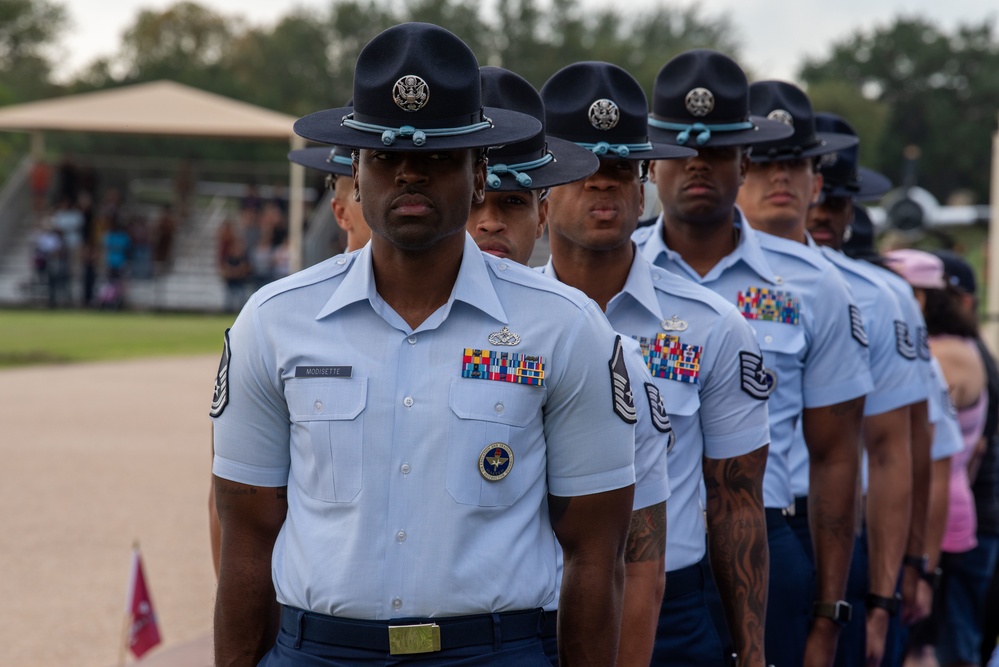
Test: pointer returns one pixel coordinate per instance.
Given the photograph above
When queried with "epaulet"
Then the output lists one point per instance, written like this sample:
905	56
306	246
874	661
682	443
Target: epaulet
325	270
799	251
853	267
518	274
641	235
676	286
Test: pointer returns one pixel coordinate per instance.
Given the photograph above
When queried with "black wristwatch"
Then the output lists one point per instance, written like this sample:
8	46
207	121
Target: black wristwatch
920	563
932	577
840	611
891	605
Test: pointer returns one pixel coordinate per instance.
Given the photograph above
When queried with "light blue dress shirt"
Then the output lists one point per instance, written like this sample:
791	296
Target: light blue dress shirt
385	446
799	307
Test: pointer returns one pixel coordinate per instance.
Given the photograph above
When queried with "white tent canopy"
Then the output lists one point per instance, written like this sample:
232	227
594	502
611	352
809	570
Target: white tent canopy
164	107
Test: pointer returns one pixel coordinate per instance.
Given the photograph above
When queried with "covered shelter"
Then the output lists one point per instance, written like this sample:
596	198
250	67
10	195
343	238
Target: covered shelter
165	108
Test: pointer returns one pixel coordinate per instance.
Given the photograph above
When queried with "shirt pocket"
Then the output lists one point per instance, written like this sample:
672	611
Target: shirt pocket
783	347
485	414
328	421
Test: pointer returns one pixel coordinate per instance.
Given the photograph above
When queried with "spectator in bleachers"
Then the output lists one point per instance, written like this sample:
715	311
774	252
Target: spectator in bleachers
141	261
40	179
164	230
117	248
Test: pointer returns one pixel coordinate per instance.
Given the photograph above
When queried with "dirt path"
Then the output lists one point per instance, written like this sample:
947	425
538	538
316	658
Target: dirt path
92	457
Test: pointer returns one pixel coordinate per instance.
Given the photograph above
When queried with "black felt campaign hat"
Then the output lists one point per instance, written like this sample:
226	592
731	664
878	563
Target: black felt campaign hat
841	171
602	108
538	162
786	103
701	98
416	88
329	160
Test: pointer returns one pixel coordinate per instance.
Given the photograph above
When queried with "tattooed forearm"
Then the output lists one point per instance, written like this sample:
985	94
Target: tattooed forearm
647	534
737	535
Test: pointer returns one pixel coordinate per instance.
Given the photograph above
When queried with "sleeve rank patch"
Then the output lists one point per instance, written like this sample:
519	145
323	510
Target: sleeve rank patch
624	398
669	358
857	326
757	381
220	398
503	366
660	420
923	343
903	342
768	305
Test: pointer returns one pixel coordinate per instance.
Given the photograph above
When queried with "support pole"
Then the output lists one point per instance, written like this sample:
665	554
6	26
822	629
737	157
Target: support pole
990	332
296	209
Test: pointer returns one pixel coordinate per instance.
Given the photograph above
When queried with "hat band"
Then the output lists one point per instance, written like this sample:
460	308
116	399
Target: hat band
339	159
418	136
622	150
495	171
704	131
777	152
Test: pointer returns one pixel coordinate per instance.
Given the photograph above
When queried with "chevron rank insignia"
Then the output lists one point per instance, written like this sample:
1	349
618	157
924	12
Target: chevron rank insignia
903	342
857	326
757	381
660	420
923	343
768	305
624	398
503	366
667	357
220	398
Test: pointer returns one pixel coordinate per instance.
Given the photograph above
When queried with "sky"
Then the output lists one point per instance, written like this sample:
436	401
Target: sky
777	35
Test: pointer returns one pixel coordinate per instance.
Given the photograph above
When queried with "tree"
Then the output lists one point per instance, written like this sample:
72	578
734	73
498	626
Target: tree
28	28
940	92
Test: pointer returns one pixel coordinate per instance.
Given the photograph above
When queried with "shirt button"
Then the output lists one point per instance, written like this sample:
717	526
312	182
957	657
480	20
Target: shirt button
404	468
778	280
502	267
655	276
412	340
397	603
500	408
768	339
401	536
318	406
342	261
408	401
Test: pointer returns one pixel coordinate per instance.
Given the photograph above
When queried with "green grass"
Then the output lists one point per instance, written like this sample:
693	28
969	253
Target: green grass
46	337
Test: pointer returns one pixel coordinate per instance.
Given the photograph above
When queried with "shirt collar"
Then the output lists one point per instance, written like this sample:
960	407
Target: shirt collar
638	284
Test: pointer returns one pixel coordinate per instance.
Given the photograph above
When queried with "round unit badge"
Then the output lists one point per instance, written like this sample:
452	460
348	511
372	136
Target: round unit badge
496	461
699	102
781	116
604	114
411	93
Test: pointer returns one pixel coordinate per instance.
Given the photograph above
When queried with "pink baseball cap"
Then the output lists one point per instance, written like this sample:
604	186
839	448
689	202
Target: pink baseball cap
919	268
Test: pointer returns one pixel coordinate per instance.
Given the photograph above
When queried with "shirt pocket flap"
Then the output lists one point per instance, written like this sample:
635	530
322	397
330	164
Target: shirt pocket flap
499	402
779	338
679	398
326	400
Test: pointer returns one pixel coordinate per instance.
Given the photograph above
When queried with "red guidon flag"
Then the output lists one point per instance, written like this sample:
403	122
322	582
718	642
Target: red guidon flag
143	633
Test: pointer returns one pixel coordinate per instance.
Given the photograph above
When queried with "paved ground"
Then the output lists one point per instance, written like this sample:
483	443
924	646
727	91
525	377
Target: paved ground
93	457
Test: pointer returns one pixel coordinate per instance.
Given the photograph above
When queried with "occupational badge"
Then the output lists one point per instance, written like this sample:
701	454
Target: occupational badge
699	102
496	461
857	326
765	304
220	398
624	399
504	337
660	420
673	324
903	341
922	343
411	93
757	381
670	358
503	366
781	116
604	114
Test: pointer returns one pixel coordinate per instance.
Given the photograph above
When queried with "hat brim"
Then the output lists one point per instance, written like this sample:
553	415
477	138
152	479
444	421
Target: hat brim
829	142
571	163
508	127
318	158
763	130
872	185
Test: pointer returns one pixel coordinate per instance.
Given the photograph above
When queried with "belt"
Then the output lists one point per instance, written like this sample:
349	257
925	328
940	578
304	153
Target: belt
800	507
684	581
551	625
776	516
406	636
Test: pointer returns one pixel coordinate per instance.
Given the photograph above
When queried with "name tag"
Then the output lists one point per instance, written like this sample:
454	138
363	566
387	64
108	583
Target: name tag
323	371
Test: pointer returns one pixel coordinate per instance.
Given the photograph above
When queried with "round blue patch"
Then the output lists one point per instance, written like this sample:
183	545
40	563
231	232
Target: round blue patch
496	461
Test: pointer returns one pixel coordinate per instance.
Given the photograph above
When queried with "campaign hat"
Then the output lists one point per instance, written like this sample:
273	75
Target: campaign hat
786	103
536	163
701	98
601	107
417	88
841	171
334	160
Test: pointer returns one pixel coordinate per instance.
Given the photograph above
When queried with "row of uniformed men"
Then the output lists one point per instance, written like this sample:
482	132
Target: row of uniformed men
404	464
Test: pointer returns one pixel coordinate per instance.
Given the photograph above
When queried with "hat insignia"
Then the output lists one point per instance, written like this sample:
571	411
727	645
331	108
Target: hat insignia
829	159
411	93
781	116
699	102
604	114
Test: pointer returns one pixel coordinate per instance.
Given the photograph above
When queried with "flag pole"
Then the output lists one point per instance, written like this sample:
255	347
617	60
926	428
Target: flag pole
123	643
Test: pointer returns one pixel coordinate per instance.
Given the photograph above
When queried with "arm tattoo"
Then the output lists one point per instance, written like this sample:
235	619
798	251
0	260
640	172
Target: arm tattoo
646	534
740	556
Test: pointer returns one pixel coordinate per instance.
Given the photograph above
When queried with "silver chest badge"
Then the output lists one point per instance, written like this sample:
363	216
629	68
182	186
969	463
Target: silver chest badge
504	337
781	116
673	324
604	114
699	102
411	93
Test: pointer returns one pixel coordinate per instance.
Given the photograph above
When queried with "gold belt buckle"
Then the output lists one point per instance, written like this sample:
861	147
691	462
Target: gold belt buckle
408	639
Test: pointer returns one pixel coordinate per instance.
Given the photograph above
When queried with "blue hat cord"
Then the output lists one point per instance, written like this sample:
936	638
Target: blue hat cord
419	137
622	150
339	159
704	130
495	171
